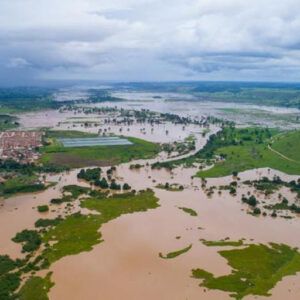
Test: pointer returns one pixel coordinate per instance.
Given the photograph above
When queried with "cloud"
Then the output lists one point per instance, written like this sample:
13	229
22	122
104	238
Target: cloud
17	62
151	39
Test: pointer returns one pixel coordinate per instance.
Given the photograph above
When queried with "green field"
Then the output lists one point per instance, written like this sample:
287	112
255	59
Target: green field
256	269
77	157
254	153
288	145
53	134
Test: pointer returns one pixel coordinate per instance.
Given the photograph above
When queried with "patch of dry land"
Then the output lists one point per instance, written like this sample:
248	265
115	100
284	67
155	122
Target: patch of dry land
211	213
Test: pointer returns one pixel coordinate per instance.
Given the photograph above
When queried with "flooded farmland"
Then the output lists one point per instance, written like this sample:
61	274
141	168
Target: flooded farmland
129	252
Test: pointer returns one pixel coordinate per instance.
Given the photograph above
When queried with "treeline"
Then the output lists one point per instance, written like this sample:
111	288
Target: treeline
11	165
25	188
94	177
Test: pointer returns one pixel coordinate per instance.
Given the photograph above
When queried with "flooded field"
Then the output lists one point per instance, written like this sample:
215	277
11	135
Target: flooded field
127	263
129	253
185	104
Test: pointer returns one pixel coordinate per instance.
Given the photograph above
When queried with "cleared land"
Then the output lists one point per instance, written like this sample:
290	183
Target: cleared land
74	157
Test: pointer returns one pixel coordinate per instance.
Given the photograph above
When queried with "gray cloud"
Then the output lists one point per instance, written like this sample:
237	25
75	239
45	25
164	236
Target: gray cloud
149	40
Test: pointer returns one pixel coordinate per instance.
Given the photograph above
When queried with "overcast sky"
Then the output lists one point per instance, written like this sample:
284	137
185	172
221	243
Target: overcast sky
135	40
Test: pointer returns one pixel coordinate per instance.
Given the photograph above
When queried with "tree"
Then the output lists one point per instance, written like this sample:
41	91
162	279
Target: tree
256	211
126	186
252	201
103	183
114	185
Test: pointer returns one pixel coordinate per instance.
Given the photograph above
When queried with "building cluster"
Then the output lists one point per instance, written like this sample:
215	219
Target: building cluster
20	145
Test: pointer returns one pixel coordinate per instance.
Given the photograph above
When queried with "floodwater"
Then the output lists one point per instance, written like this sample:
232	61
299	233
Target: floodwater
127	265
184	104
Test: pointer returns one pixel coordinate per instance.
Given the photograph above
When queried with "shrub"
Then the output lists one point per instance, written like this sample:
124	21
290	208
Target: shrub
43	208
256	211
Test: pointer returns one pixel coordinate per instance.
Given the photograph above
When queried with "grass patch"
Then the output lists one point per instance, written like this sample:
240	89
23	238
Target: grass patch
175	253
36	288
222	243
43	208
75	234
53	134
288	145
98	155
256	269
189	211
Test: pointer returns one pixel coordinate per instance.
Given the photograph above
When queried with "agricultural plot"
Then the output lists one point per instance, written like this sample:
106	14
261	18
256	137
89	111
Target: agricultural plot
98	141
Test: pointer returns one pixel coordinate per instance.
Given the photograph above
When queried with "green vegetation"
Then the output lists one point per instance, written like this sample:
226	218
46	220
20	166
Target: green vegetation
246	149
288	145
175	253
283	205
77	232
76	190
256	269
36	288
222	243
54	134
43	208
274	94
9	282
65	236
189	211
270	186
8	122
47	222
30	239
89	174
73	235
10	165
234	150
98	155
23	99
21	184
174	187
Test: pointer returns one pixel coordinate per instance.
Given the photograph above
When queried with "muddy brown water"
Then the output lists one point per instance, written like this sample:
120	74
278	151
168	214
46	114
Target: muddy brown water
126	265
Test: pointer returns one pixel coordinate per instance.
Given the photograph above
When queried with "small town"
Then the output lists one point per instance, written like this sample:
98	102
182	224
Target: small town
20	146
